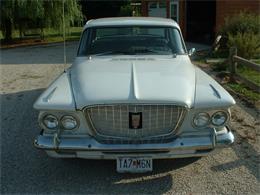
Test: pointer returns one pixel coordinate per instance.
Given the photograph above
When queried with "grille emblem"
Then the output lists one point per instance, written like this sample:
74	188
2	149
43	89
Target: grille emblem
135	120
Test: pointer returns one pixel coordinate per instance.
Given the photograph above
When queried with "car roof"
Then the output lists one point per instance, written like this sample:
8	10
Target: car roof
129	21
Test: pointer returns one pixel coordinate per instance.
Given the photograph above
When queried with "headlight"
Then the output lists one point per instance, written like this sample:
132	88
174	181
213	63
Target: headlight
50	121
219	118
201	119
69	122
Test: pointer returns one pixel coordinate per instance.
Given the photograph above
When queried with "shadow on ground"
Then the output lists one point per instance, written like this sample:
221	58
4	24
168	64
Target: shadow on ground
247	156
39	54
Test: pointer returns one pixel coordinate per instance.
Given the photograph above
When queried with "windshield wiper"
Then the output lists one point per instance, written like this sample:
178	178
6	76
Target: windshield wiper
145	50
112	52
152	51
132	51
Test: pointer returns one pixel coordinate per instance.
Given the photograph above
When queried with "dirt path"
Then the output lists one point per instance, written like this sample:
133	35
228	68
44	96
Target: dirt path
25	72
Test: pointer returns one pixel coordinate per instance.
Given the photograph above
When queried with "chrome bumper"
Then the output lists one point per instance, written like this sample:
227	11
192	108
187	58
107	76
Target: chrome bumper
86	147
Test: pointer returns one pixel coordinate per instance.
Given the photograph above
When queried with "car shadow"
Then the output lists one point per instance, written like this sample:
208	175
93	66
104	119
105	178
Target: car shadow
247	156
24	169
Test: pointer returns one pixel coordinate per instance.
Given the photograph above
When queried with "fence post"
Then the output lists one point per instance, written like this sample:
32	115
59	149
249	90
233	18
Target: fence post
232	63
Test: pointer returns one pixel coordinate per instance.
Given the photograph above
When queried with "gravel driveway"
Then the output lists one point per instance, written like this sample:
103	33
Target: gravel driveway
25	72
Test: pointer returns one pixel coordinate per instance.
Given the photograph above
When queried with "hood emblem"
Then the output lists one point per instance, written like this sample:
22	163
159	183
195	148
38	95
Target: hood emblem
135	120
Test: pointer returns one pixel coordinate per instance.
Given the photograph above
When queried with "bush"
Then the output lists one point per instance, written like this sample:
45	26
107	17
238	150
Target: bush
242	31
247	44
243	22
126	10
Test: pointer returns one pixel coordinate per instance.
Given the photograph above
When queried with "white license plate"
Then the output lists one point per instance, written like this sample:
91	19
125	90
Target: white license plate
134	164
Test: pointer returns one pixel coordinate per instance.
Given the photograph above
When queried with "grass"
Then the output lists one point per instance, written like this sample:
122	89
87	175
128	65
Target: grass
241	89
249	74
256	61
244	91
246	72
220	66
50	36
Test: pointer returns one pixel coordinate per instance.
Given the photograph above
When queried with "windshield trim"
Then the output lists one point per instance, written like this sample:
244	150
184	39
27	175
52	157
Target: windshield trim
125	26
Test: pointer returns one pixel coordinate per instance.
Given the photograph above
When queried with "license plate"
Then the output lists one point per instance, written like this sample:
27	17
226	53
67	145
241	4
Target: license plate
134	164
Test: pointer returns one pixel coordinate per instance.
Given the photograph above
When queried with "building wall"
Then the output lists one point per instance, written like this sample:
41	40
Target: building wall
182	17
145	8
226	8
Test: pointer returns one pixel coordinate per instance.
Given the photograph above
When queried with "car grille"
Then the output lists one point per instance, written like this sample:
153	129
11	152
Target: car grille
110	123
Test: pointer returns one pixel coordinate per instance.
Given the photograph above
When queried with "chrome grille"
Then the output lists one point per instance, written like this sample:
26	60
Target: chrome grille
110	123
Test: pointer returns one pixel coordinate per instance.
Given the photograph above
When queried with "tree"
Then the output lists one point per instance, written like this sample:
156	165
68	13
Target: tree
7	8
53	11
126	10
37	13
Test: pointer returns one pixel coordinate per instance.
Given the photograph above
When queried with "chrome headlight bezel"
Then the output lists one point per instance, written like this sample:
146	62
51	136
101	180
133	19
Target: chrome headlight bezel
70	117
211	114
50	116
59	116
220	112
201	114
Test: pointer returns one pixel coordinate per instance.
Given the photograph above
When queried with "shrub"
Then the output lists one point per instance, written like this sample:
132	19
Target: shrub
247	44
126	10
243	22
242	31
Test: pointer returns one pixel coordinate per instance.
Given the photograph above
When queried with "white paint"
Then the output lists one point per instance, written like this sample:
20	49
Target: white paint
105	81
160	79
58	96
128	21
206	96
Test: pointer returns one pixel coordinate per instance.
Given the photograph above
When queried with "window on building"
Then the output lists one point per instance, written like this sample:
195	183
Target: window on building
162	4
153	5
174	10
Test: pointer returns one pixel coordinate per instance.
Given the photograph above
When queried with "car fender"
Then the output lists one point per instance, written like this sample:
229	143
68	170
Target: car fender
58	96
210	94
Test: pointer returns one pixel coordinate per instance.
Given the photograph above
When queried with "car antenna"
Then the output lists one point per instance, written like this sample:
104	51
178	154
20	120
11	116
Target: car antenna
64	36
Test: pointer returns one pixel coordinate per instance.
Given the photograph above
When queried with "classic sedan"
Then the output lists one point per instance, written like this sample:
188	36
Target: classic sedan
133	95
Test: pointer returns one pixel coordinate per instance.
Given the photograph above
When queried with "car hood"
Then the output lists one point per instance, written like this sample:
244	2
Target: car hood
103	80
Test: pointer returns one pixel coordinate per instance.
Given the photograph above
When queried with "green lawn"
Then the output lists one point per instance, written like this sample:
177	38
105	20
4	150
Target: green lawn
51	35
243	90
256	61
249	74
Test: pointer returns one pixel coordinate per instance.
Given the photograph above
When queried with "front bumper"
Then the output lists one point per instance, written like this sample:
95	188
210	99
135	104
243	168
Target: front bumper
86	147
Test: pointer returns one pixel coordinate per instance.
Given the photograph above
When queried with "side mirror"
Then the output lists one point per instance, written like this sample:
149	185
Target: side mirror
192	51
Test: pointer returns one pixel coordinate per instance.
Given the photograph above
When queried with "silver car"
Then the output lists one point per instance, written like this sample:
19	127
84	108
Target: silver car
133	95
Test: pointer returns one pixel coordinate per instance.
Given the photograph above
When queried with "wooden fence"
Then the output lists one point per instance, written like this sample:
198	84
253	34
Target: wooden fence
234	60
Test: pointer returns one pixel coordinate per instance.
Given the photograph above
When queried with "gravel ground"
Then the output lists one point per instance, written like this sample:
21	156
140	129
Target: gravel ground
25	72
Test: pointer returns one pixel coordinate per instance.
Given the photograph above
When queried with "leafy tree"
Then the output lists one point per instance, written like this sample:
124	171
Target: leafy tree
28	14
54	11
37	13
126	10
7	18
130	9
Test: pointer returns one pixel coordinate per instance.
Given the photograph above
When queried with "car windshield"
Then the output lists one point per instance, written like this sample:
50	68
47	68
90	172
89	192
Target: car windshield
131	40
